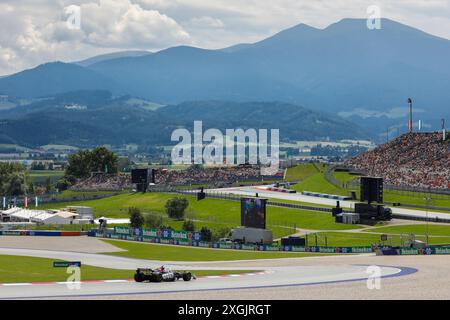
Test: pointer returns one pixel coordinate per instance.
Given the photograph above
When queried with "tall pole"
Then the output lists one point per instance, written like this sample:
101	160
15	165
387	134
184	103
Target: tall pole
410	121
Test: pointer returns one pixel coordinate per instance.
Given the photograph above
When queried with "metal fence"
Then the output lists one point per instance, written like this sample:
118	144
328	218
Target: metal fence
54	199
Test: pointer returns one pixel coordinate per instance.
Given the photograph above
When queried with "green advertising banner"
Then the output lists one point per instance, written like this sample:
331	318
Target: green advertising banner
204	244
122	230
442	250
361	249
327	249
298	249
248	247
409	251
271	248
180	235
150	233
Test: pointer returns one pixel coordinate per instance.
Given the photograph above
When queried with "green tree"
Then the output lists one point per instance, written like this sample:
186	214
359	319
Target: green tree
84	162
16	186
79	164
206	234
63	184
12	179
221	233
103	160
153	220
136	218
188	225
31	187
48	185
175	207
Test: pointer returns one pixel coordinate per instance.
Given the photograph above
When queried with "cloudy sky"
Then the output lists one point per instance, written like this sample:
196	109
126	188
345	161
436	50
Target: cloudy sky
36	31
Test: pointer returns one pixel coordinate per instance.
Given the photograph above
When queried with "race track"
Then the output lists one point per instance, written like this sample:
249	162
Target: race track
272	276
251	191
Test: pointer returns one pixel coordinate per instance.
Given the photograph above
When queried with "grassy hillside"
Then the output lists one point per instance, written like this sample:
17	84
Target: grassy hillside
421	229
213	213
301	172
314	180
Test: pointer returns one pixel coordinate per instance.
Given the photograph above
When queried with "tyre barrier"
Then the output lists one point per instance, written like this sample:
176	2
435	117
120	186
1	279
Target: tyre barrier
326	195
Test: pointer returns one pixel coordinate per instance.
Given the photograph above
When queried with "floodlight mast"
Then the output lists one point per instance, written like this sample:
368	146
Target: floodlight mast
410	121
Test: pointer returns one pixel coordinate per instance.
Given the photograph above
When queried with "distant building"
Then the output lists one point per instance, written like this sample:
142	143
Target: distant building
46	217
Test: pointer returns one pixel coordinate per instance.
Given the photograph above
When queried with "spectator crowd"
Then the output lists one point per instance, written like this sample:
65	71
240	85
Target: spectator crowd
103	181
413	160
196	175
193	175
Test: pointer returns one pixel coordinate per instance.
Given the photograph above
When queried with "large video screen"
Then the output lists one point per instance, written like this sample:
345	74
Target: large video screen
253	213
139	176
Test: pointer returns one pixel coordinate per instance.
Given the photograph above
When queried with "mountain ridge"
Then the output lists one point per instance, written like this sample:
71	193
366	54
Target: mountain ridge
342	67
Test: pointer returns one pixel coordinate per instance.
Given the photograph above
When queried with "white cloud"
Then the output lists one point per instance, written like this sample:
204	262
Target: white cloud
122	24
36	30
206	22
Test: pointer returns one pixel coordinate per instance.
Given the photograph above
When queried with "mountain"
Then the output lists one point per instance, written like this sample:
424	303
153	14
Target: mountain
344	67
110	56
103	120
55	78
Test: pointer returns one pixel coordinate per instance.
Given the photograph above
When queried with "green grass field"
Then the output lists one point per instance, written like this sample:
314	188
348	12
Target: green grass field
313	180
15	269
301	172
213	213
418	229
318	183
344	176
178	253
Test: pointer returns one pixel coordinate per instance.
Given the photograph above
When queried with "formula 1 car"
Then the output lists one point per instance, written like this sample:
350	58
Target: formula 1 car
161	275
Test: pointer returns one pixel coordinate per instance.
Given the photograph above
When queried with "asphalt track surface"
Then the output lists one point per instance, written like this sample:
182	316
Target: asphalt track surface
251	191
280	273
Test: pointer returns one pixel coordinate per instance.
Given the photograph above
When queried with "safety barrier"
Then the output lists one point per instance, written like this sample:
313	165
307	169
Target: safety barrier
44	233
132	235
266	247
412	251
326	195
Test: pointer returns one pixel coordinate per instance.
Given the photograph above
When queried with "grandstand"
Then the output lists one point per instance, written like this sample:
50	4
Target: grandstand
412	160
200	175
103	181
193	175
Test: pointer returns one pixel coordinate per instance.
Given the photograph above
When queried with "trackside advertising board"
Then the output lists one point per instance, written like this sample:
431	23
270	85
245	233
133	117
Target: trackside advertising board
184	238
158	233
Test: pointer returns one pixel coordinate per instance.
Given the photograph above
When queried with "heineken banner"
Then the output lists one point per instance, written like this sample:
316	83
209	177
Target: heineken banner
157	233
270	248
122	230
185	238
248	247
